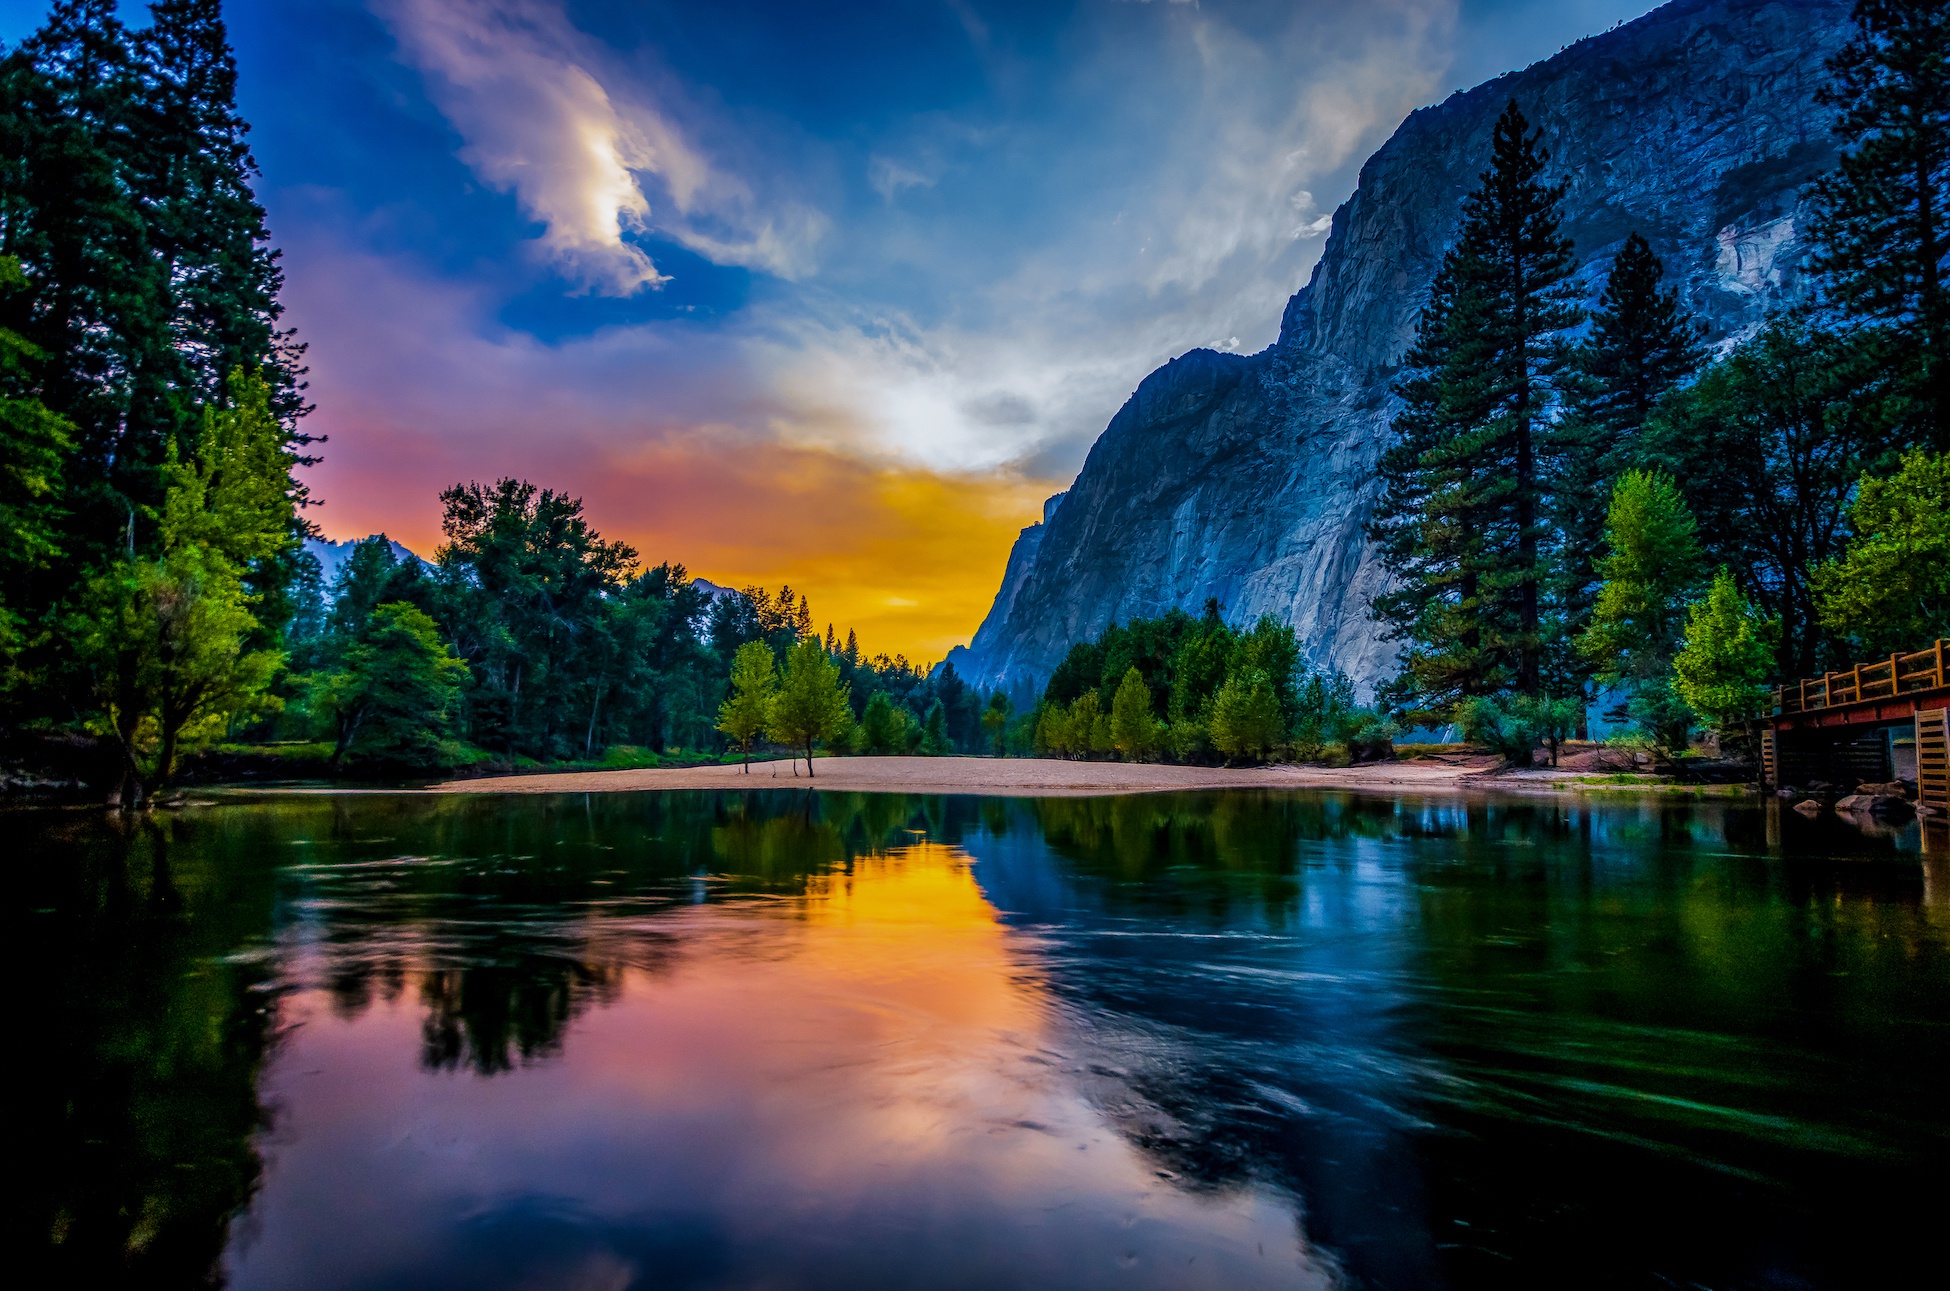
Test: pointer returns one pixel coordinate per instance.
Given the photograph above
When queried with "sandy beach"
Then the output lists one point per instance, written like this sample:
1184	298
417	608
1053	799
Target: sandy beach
1016	777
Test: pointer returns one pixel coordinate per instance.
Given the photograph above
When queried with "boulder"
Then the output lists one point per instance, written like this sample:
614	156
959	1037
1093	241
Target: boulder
1874	804
1808	807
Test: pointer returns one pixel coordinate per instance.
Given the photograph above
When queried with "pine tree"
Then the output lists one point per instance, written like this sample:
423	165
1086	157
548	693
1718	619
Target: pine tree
1883	217
1643	343
96	307
1461	523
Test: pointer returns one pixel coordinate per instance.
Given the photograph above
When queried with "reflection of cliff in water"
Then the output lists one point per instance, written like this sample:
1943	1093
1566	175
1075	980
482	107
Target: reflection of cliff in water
140	1038
1401	984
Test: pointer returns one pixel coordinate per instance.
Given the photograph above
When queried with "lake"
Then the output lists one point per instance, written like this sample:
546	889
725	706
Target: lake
789	1039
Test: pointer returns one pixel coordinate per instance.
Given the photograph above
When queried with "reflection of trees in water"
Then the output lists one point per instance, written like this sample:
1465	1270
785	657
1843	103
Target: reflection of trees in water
1514	1031
135	1131
493	1015
509	920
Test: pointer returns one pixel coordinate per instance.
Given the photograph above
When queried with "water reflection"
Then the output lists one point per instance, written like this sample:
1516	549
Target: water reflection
866	1040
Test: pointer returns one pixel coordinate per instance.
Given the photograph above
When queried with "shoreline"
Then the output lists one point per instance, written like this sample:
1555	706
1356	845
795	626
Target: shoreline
1010	777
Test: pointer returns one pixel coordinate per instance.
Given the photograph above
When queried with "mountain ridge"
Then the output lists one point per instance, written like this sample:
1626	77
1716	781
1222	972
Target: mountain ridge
1250	478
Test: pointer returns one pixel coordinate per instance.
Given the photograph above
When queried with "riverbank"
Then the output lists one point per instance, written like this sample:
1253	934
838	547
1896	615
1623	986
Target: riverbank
1012	777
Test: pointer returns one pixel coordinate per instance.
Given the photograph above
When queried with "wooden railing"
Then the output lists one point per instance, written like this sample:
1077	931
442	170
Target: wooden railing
1899	674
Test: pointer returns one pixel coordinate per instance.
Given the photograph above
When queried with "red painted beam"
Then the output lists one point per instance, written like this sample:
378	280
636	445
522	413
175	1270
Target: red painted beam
1871	712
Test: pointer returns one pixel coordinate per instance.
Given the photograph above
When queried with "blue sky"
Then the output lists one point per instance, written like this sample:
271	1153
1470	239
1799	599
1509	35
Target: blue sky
829	293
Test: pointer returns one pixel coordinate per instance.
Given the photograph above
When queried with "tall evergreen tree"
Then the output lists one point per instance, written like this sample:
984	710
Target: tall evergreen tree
1643	343
96	303
149	283
1883	217
1462	521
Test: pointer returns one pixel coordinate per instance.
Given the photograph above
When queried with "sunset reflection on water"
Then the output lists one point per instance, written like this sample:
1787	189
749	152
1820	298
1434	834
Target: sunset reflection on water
827	1088
810	1039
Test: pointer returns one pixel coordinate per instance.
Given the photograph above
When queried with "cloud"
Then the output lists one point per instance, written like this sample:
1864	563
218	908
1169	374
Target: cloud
888	177
542	117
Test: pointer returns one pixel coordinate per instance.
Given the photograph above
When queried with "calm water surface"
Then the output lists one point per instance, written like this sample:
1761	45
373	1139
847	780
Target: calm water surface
792	1040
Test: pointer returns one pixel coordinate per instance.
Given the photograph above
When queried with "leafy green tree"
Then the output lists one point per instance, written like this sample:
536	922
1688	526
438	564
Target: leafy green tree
1460	524
1883	216
1085	716
1723	669
747	711
1515	725
1327	713
396	691
884	725
1651	571
1199	668
33	442
1643	344
1245	719
1133	730
1766	447
526	588
124	194
1082	669
934	732
1889	590
164	641
995	722
810	701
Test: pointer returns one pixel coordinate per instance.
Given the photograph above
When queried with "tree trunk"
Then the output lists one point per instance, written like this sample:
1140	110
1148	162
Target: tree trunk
589	741
809	770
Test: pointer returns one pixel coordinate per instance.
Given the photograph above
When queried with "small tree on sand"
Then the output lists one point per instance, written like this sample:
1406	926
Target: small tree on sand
746	712
1245	718
1132	728
995	721
812	703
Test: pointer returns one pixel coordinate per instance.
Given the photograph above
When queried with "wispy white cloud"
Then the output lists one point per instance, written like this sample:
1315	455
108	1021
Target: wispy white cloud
582	147
888	177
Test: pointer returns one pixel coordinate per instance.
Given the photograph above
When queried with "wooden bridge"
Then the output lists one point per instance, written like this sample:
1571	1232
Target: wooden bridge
1833	722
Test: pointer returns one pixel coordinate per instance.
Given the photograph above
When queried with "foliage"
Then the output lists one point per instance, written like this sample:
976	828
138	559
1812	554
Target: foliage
934	732
1245	717
1516	725
1766	447
1889	590
1883	216
747	711
1728	656
1461	523
1133	730
1643	344
886	726
1650	571
33	442
394	694
147	285
164	642
812	701
995	721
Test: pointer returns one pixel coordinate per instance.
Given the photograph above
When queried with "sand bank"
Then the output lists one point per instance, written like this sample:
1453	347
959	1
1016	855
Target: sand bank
1019	777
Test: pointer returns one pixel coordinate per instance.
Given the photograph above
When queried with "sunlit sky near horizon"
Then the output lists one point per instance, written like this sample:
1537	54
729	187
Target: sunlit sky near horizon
828	295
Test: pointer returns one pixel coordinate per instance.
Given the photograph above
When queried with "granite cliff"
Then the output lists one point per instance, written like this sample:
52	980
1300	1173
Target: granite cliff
1250	478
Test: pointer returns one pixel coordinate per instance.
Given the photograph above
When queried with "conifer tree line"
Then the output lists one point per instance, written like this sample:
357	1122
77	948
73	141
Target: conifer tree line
1581	503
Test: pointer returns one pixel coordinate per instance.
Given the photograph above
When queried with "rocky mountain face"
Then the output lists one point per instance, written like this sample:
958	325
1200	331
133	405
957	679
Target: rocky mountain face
1250	478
